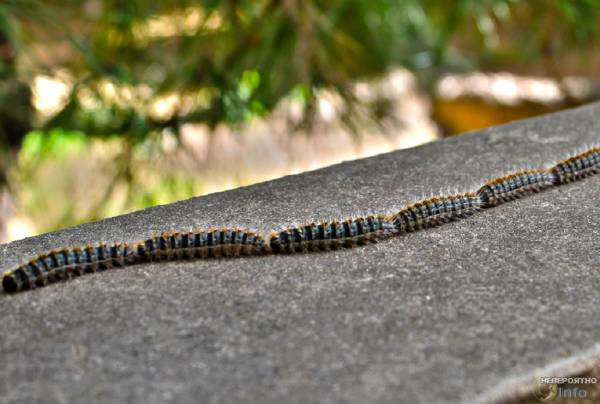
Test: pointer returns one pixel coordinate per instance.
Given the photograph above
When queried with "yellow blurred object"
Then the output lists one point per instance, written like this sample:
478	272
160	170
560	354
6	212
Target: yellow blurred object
470	113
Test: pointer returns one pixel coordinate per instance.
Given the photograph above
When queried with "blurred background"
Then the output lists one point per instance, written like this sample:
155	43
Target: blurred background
112	106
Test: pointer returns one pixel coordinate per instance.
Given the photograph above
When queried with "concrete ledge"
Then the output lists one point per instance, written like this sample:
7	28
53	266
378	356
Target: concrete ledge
442	315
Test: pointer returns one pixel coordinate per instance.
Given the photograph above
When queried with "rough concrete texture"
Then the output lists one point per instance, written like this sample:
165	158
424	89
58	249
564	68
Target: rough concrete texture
441	315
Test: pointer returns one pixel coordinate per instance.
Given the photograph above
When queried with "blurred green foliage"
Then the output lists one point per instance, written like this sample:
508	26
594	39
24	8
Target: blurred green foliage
56	144
68	177
138	70
237	59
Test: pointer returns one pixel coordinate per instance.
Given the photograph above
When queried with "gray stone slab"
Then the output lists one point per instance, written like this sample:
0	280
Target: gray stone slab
442	315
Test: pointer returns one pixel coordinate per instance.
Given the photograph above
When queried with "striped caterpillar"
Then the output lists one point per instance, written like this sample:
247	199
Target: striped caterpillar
435	211
330	235
200	244
577	167
63	264
513	186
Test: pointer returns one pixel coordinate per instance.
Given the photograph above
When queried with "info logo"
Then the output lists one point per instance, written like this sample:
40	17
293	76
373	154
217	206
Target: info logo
569	388
546	392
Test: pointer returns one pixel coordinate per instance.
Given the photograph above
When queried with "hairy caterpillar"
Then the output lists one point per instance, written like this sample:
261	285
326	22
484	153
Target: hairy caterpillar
200	244
65	263
330	235
513	186
436	210
576	167
62	264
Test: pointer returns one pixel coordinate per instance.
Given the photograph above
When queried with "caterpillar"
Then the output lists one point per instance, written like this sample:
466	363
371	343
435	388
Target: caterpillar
513	186
330	235
62	264
200	244
576	167
66	263
435	211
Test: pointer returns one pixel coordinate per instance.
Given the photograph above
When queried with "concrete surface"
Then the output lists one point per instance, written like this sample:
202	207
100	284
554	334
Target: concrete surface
442	315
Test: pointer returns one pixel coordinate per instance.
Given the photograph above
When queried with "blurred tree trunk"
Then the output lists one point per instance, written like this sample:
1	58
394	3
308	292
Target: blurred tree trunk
15	117
15	98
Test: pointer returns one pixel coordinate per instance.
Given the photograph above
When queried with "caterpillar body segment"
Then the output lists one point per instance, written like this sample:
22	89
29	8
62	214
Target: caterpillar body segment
331	235
513	186
436	210
576	167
